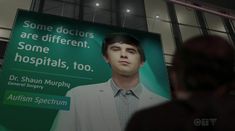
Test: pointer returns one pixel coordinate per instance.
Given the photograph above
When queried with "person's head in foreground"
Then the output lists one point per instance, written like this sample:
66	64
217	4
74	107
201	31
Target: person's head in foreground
203	70
205	64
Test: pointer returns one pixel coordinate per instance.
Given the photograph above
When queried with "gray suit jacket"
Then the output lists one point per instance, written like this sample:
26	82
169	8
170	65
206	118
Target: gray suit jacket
93	108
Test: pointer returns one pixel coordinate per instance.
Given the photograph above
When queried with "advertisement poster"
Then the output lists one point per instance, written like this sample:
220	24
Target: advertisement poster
49	55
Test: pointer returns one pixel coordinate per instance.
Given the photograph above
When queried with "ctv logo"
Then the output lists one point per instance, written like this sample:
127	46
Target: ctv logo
204	121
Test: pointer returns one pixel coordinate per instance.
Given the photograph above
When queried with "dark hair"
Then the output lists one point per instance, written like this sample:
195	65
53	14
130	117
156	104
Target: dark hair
122	38
204	63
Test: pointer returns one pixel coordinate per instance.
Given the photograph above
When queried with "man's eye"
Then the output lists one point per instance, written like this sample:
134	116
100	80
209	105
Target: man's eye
131	51
115	49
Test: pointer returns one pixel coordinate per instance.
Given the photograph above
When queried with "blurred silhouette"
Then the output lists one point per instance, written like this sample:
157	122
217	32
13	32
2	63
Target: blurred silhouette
202	74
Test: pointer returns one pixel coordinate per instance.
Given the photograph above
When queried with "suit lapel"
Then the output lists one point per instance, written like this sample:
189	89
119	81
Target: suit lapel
146	99
108	107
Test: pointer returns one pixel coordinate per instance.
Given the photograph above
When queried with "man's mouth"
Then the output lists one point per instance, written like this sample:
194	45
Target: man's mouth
124	62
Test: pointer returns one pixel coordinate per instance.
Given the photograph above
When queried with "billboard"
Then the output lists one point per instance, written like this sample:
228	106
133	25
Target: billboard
47	56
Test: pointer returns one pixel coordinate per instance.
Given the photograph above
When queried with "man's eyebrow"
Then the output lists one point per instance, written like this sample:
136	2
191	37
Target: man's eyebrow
134	49
114	46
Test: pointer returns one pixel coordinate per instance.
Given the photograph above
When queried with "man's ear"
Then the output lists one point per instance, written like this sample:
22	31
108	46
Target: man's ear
105	59
179	90
174	80
142	64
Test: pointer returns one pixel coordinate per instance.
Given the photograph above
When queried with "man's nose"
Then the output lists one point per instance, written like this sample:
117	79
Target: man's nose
123	54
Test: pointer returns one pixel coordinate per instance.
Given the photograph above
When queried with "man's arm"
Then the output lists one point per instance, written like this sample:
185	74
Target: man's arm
66	120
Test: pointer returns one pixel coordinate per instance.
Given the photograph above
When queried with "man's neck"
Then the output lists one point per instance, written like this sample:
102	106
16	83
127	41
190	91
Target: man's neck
126	82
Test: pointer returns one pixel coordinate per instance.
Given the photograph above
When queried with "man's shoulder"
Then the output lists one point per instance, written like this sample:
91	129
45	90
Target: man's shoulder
88	88
153	95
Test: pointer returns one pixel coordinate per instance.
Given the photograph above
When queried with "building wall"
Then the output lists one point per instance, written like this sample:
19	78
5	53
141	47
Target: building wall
8	9
187	19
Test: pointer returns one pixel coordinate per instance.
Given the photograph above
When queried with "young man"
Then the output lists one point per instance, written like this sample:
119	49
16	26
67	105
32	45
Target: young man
108	106
203	72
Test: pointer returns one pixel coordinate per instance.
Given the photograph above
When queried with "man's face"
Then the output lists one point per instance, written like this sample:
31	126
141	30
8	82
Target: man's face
123	58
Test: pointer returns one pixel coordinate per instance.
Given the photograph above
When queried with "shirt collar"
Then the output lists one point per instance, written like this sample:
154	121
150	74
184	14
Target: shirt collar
136	91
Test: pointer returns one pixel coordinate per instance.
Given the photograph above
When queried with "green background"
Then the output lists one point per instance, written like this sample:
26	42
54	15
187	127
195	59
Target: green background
31	118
